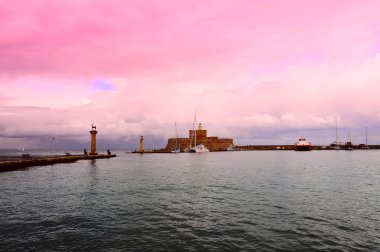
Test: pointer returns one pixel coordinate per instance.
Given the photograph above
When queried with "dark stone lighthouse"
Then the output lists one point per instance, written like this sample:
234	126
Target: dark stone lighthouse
141	144
93	140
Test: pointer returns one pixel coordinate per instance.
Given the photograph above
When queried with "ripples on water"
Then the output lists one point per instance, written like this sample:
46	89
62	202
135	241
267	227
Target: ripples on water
265	201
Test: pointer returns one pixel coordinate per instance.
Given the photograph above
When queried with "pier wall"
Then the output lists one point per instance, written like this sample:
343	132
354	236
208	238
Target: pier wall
20	164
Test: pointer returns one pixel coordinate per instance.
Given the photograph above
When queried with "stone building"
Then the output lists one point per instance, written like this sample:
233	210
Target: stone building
212	143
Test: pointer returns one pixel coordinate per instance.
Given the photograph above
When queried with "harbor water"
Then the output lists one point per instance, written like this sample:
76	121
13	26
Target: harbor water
218	201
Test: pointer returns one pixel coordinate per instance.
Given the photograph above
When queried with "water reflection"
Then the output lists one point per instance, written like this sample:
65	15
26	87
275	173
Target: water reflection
93	162
252	201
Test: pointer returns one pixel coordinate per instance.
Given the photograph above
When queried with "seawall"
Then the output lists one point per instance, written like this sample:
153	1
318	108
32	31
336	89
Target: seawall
41	161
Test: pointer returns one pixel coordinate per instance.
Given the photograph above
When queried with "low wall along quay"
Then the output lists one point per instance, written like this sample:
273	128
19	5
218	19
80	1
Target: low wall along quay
10	165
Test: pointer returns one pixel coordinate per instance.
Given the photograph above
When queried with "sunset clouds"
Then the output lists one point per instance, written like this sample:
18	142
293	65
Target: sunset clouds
253	69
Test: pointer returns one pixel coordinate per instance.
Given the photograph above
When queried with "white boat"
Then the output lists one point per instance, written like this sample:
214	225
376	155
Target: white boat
232	148
197	148
336	147
177	148
366	147
23	154
302	145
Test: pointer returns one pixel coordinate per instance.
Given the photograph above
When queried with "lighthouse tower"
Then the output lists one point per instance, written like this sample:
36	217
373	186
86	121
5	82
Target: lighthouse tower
141	144
93	140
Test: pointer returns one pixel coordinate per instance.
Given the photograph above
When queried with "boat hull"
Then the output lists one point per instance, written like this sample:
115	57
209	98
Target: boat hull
176	151
302	148
198	149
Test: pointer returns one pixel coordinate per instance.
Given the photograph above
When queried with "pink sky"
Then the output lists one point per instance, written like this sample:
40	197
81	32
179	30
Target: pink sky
255	70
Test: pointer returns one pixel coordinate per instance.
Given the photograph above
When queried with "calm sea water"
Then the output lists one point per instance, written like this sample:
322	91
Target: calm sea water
227	201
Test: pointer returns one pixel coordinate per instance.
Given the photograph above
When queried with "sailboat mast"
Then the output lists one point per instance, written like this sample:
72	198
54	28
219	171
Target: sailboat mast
191	142
366	137
336	132
194	130
176	132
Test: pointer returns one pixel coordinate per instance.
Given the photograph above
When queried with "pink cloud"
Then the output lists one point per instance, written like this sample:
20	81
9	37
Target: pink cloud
245	65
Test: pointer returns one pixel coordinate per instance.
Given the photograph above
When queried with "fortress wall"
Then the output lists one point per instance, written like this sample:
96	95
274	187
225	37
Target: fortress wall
183	143
218	144
212	138
212	143
201	136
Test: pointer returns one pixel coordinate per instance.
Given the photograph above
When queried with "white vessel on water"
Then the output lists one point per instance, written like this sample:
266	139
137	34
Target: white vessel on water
197	148
232	148
302	145
337	144
175	150
366	147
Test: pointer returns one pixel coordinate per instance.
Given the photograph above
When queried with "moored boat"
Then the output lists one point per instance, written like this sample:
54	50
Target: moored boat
349	146
232	148
177	149
199	148
337	145
302	145
366	147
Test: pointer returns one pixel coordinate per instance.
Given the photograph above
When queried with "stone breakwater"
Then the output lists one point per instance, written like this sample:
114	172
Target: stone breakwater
40	161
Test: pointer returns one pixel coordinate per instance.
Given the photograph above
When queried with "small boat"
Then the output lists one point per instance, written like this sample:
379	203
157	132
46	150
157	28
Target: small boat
348	145
336	146
366	147
231	148
177	148
23	154
197	148
302	145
